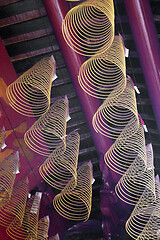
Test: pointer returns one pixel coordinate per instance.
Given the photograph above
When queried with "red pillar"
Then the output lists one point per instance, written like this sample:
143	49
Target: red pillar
146	40
56	10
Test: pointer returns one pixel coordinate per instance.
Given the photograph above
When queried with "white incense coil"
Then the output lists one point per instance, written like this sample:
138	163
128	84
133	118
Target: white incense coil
43	225
104	75
58	169
30	93
114	114
134	181
49	130
7	177
28	229
75	203
2	137
15	207
89	27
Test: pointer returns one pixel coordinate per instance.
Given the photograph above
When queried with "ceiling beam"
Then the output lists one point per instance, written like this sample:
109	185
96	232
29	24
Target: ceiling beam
7	2
27	36
22	17
34	53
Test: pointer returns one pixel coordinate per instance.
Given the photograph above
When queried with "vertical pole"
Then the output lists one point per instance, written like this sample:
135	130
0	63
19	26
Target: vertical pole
56	10
146	40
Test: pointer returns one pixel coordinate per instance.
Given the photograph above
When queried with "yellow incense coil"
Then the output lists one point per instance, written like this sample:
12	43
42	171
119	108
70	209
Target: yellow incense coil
104	75
89	27
75	204
49	130
30	93
43	225
2	137
144	221
28	229
114	114
134	181
125	149
8	170
57	170
15	207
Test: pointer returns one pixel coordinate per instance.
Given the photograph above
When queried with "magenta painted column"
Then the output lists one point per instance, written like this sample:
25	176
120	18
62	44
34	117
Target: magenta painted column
146	40
57	10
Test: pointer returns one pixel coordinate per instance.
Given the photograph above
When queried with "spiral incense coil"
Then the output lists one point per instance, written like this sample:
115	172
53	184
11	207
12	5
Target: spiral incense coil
75	204
43	225
104	75
126	148
30	93
15	207
144	222
89	27
114	114
138	176
49	130
2	137
8	170
57	170
28	229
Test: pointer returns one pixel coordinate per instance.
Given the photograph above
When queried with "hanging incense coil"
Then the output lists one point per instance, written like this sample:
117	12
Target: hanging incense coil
144	222
132	184
2	137
28	229
57	170
30	93
104	75
49	130
15	207
114	114
89	27
125	149
8	169
43	225
75	204
152	228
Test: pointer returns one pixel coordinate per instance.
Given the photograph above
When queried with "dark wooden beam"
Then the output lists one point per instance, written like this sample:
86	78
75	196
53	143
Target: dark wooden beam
22	17
34	53
27	36
7	2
